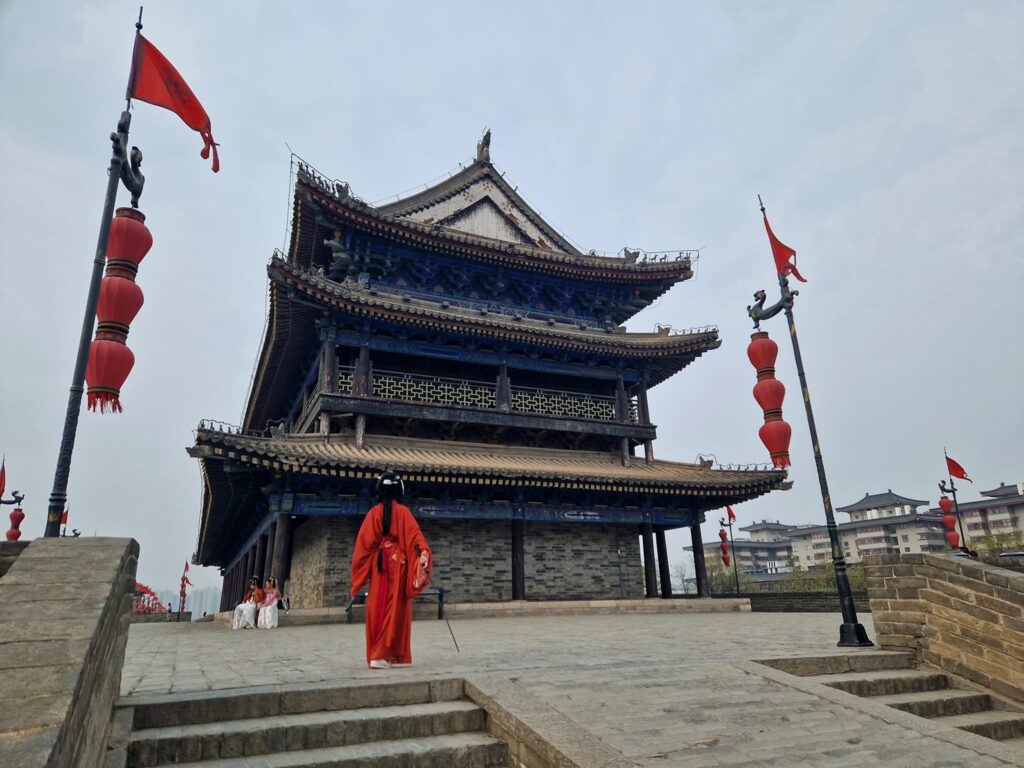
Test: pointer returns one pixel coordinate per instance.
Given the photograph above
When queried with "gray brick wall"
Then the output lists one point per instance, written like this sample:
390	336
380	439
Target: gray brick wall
473	560
566	561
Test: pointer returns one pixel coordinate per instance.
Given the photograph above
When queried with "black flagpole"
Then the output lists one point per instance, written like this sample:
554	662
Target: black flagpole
59	493
851	632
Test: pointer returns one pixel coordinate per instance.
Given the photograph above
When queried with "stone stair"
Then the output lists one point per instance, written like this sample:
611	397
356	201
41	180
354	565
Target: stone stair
892	680
426	724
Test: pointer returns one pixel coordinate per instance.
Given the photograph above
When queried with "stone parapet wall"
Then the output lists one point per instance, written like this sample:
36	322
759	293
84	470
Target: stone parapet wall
961	615
473	560
802	602
9	552
65	606
161	618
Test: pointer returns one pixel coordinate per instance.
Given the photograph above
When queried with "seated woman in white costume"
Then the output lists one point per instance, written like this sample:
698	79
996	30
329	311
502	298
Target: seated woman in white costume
268	607
245	611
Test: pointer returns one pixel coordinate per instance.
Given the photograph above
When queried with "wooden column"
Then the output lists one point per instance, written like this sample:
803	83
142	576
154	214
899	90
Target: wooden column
250	562
282	549
645	418
504	393
224	592
699	567
650	577
622	415
518	560
268	561
362	385
261	558
664	573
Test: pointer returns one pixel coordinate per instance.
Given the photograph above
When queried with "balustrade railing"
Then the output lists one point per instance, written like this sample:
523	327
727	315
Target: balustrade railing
439	390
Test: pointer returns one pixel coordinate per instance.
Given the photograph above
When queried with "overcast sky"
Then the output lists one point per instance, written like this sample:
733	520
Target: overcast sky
886	138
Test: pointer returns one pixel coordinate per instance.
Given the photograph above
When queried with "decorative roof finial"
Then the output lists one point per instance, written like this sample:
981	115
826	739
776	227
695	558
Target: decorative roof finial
483	147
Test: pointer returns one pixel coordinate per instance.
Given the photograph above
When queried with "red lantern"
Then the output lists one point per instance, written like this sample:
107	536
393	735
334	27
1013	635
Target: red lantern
722	534
946	504
110	362
776	435
769	394
120	301
949	521
724	546
130	239
726	560
762	351
953	538
16	517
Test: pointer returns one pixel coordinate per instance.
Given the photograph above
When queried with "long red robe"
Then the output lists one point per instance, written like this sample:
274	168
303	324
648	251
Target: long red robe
389	599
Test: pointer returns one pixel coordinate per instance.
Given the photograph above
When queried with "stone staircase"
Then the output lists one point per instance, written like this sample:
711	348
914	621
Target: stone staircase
892	680
426	724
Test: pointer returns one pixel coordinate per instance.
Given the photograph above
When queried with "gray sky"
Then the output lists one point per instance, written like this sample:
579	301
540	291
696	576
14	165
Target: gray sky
886	138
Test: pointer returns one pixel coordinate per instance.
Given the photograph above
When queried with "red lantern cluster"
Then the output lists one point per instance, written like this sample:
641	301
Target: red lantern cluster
949	520
110	359
724	546
769	393
16	518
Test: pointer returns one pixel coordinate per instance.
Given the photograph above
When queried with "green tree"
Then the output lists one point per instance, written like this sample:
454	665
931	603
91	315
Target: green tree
990	546
822	578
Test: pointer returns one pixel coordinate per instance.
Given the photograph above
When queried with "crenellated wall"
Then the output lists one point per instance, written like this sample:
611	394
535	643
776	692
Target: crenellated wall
962	615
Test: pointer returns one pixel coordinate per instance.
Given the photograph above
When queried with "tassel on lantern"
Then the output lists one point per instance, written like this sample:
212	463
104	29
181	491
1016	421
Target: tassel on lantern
769	393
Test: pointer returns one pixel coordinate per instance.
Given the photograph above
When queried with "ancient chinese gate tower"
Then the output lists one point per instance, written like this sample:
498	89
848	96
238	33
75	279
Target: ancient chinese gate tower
456	337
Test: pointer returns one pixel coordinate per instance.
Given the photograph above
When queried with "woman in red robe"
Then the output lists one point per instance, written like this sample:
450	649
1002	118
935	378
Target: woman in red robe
392	553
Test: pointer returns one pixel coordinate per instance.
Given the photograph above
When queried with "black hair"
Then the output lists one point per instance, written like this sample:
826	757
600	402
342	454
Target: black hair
389	488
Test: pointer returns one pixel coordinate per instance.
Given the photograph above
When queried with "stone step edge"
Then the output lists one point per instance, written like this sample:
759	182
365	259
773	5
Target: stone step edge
369	754
858	661
932	727
301	719
271	700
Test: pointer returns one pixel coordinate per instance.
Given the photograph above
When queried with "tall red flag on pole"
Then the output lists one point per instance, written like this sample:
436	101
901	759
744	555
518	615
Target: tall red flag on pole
3	476
154	79
732	515
955	470
782	253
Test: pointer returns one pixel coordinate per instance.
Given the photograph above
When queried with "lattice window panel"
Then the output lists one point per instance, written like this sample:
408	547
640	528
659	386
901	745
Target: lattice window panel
417	389
551	403
345	381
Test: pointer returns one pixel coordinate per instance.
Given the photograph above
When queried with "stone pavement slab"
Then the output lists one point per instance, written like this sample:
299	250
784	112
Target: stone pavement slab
662	689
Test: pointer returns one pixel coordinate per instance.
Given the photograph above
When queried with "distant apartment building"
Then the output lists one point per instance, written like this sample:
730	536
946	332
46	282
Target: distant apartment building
767	551
879	524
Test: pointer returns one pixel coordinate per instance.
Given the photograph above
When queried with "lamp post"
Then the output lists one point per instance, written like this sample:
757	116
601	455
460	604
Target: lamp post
727	523
851	631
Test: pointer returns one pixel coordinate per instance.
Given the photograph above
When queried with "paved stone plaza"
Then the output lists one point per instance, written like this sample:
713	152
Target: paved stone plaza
664	689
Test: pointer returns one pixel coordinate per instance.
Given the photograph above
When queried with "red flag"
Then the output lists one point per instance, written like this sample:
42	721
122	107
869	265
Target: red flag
955	470
3	476
186	566
155	80
782	254
732	515
64	518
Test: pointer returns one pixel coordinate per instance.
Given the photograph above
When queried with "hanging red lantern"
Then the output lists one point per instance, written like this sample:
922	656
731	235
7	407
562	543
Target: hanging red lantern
726	560
110	362
953	538
762	351
120	301
776	436
769	394
946	504
722	534
949	521
16	518
130	240
724	546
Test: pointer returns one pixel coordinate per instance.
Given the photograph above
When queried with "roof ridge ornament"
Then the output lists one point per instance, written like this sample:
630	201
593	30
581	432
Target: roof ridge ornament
483	147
